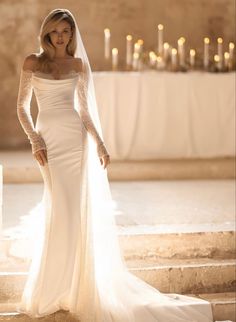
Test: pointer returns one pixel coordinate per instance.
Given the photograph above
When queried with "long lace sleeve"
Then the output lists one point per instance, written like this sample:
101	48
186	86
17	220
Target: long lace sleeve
23	111
82	90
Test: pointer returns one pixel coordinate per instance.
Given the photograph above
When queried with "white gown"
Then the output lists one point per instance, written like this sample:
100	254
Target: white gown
62	274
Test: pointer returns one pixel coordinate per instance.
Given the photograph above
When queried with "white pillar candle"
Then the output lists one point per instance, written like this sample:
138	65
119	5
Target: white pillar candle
114	58
166	47
226	60
129	50
220	52
135	60
192	55
217	61
140	48
173	57
136	48
160	39
181	51
231	55
160	63
107	39
206	52
152	58
231	50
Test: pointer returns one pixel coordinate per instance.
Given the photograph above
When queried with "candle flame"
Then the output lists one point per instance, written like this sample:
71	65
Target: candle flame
159	59
181	41
216	58
129	37
140	42
160	27
206	40
114	51
166	45
226	55
135	55
192	52
219	40
231	45
174	51
107	32
152	54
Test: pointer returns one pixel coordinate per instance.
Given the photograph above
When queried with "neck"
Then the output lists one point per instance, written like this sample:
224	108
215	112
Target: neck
60	53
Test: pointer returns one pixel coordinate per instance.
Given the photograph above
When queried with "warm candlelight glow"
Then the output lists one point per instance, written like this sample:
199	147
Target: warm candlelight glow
231	45
219	40
192	57
206	40
129	50
140	42
226	55
136	47
160	27
135	60
174	51
181	41
216	58
114	58
107	36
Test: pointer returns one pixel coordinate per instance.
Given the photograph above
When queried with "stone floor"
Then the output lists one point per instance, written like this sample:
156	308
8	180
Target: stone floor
163	205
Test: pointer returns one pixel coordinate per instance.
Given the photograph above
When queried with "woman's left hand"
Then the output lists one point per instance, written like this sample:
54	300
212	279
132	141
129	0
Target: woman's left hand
105	160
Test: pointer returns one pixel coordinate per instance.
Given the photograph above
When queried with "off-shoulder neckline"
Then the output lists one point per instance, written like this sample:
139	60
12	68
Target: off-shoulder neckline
71	72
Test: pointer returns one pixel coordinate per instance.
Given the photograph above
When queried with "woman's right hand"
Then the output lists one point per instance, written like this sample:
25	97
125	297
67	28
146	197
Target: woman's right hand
41	156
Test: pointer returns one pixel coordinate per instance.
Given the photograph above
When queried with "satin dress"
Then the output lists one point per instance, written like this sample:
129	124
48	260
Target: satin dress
59	276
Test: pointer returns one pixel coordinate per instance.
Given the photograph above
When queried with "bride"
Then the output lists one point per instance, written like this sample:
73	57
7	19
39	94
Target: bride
77	264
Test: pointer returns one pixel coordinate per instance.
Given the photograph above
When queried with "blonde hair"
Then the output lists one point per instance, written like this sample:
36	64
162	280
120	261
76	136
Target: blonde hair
47	50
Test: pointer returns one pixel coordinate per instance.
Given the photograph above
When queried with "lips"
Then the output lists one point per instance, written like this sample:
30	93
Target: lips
60	43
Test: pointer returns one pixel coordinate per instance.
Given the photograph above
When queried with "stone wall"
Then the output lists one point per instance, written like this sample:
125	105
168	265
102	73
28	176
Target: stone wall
21	20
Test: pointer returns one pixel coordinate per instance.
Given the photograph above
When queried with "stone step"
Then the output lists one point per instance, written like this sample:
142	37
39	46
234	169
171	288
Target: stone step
168	276
223	306
19	166
149	242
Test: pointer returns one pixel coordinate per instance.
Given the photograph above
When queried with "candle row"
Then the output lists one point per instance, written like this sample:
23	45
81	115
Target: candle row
168	56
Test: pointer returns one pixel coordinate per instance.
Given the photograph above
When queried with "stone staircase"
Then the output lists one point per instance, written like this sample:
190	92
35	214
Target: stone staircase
200	263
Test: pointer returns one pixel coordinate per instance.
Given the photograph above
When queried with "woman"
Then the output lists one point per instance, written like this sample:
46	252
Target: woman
77	264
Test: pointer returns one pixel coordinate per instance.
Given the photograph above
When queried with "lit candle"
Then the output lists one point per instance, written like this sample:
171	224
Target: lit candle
220	52
140	48
129	50
231	50
136	48
160	63
166	51
107	38
152	58
160	38
135	60
217	61
114	58
231	55
192	54
181	51
226	60
206	52
173	57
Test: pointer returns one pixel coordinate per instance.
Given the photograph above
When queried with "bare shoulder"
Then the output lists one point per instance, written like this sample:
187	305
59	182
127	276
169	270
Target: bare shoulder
78	64
30	62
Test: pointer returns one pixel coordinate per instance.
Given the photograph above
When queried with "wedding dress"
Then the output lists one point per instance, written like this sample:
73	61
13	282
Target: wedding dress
77	263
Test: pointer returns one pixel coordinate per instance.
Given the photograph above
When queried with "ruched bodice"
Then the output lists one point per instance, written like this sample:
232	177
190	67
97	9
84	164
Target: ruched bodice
54	93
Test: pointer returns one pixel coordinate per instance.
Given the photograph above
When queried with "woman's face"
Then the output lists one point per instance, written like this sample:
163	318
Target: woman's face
61	34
